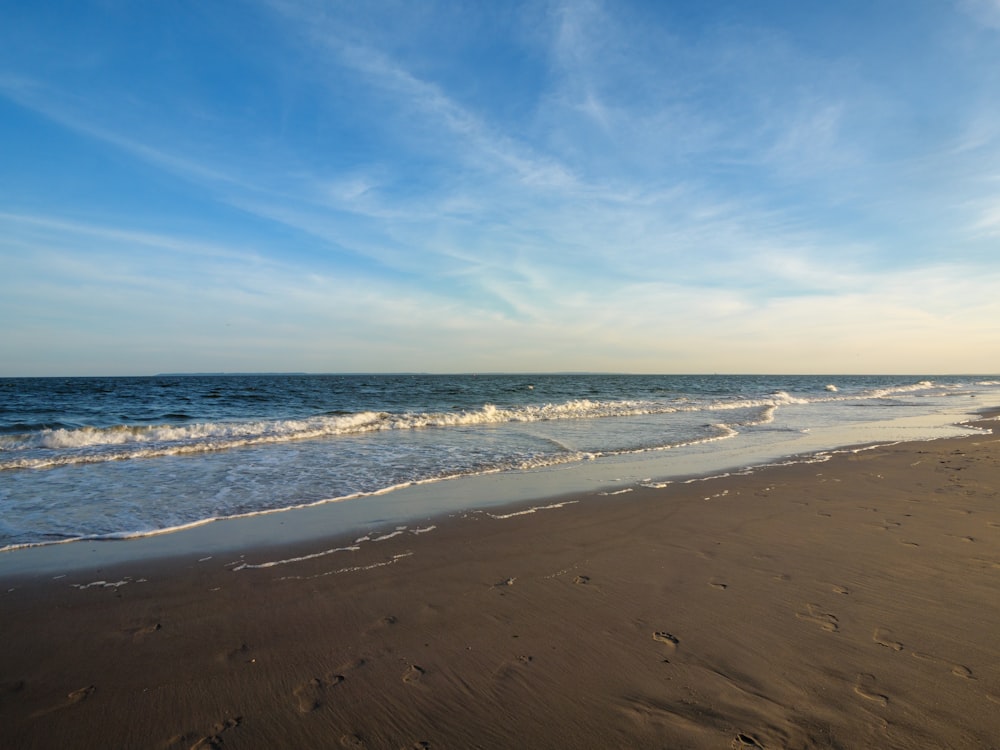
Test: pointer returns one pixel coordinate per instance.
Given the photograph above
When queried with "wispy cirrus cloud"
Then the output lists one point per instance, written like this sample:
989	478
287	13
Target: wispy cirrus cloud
986	12
57	106
573	182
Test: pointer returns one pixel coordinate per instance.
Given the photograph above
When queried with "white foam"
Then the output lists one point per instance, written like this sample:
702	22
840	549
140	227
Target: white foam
83	445
290	560
372	566
390	535
533	464
533	509
758	412
106	584
399	530
62	446
352	569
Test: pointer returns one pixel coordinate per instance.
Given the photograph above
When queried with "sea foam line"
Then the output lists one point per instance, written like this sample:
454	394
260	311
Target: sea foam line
353	569
529	511
289	560
399	531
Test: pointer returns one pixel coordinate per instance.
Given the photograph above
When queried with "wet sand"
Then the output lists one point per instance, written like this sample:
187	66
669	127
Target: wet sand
853	603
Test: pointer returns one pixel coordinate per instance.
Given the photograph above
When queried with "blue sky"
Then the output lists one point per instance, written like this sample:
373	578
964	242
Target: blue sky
277	185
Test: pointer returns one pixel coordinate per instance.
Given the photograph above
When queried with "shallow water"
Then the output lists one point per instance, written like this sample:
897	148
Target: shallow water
123	457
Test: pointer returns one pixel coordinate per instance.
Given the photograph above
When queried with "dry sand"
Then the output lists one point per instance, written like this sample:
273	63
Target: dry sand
847	604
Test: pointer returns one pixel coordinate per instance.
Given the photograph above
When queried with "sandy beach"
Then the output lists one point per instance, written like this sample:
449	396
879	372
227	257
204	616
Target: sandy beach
853	603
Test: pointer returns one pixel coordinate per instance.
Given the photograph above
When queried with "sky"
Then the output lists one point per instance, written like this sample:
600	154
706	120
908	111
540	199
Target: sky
792	186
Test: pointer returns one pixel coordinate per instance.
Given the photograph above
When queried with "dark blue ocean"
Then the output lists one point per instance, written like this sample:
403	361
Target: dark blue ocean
119	457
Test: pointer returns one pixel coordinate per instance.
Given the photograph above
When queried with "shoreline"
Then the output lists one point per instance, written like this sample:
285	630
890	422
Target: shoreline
435	501
848	603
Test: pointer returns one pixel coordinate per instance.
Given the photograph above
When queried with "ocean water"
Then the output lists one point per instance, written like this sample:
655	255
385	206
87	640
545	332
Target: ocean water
86	458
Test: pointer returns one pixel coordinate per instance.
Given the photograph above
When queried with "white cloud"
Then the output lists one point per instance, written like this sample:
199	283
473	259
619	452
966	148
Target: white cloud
986	12
658	197
987	224
55	106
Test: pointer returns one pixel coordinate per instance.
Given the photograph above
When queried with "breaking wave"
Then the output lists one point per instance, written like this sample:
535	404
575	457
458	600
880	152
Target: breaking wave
59	446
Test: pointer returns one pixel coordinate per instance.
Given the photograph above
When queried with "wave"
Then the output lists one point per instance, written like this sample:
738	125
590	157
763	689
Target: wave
95	444
58	446
720	422
923	385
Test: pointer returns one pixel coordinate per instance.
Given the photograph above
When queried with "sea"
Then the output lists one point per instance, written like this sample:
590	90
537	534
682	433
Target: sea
120	457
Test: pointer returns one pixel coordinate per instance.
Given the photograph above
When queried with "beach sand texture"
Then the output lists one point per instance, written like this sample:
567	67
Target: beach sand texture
848	604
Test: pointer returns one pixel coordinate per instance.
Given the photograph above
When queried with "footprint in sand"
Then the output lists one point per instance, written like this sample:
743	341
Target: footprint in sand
239	654
662	636
357	663
309	695
80	695
959	670
413	674
966	539
513	667
72	698
382	623
883	637
138	633
865	687
214	740
815	614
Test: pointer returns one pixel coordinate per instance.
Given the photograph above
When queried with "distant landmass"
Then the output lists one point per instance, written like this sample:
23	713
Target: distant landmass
210	374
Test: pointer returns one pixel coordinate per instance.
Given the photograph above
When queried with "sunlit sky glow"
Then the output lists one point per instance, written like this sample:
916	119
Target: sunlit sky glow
285	185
